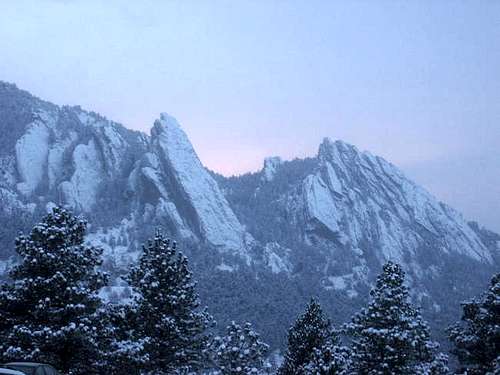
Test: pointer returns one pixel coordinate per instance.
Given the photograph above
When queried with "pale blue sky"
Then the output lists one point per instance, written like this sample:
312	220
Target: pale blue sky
417	82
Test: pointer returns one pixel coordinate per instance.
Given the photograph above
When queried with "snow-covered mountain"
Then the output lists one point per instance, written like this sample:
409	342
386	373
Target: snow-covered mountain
97	167
321	225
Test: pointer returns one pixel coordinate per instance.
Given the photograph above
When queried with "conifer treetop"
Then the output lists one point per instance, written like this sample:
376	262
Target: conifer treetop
477	336
165	308
50	308
389	336
239	351
310	332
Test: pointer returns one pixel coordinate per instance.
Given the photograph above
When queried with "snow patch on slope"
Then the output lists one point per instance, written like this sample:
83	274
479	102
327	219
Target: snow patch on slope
276	258
116	243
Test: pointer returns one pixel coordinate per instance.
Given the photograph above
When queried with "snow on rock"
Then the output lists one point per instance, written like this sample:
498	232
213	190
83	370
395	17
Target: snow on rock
81	190
217	222
109	141
320	203
374	201
113	147
56	158
154	176
31	156
333	179
169	209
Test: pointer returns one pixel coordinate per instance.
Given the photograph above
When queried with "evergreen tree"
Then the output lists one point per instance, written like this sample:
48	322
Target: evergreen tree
164	313
390	336
477	337
309	333
239	352
124	353
49	311
330	359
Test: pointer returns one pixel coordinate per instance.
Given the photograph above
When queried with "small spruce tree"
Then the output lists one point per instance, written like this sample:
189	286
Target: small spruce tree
389	336
240	351
167	323
49	310
476	338
309	333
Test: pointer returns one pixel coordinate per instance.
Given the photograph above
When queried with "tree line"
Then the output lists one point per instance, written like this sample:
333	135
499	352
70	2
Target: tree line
50	311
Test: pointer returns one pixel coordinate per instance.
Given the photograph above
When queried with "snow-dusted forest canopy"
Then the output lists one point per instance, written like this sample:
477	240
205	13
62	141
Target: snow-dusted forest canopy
51	312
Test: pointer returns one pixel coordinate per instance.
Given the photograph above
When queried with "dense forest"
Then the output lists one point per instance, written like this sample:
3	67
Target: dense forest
51	312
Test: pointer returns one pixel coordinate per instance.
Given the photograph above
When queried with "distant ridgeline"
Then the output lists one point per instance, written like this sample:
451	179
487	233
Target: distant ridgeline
261	244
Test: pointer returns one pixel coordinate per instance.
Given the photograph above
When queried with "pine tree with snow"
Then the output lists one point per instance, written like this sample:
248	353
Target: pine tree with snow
389	337
309	333
477	337
330	359
167	322
49	310
239	352
123	352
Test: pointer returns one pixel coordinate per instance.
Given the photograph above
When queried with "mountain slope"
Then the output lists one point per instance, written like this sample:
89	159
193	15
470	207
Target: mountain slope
359	211
95	166
260	243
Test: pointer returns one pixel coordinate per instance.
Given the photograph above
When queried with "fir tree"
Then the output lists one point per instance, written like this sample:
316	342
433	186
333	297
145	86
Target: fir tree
49	311
309	333
239	352
389	336
166	321
477	337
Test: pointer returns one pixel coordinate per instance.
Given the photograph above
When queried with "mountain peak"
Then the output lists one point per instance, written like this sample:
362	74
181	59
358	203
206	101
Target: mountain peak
208	206
328	147
169	120
167	124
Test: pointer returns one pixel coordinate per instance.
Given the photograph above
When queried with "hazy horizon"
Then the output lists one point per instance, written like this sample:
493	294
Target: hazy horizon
414	82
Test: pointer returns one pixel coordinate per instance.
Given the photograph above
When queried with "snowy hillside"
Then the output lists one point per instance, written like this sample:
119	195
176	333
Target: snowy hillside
322	225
